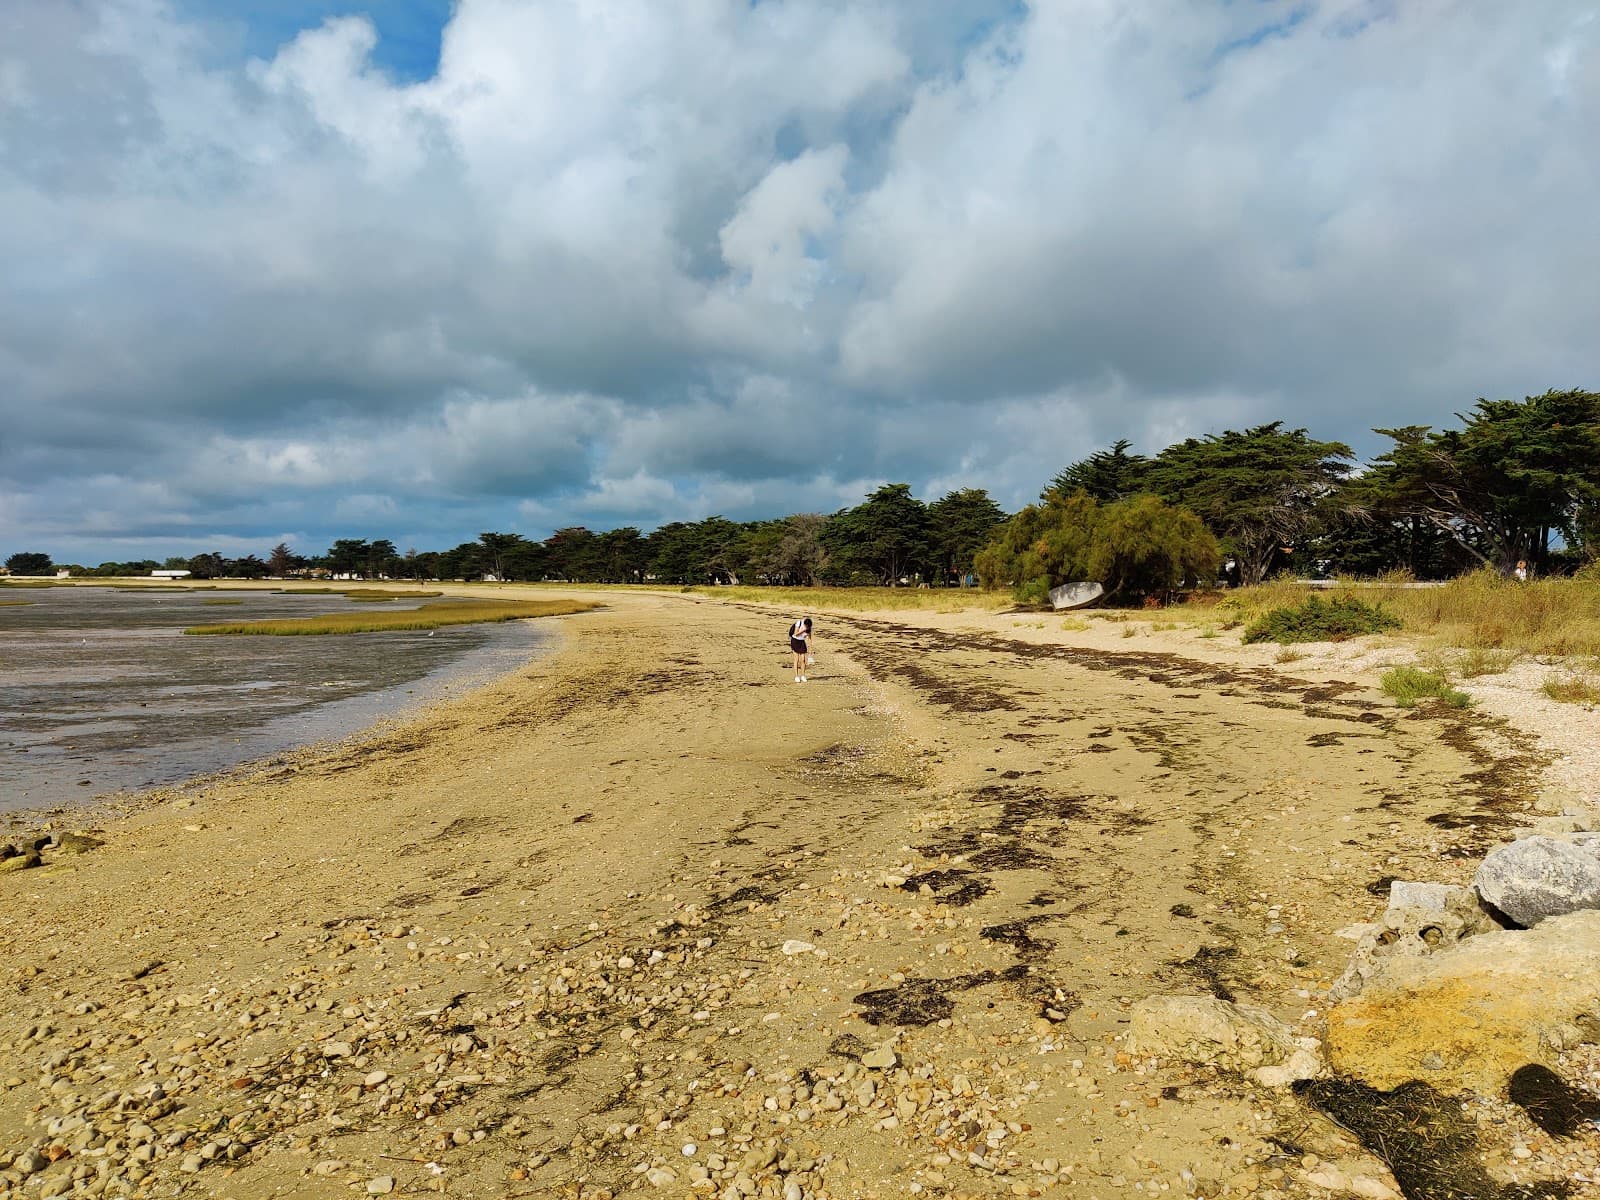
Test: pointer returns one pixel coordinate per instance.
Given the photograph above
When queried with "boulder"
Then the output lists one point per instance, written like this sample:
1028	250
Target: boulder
1208	1031
77	843
1540	877
1421	919
21	862
1467	1016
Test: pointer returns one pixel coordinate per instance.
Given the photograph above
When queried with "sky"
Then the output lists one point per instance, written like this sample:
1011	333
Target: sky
294	270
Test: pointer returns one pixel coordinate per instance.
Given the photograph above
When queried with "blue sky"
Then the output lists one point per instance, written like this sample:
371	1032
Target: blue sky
408	30
284	272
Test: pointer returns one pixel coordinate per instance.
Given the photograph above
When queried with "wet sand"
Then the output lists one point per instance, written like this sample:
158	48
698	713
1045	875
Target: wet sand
649	895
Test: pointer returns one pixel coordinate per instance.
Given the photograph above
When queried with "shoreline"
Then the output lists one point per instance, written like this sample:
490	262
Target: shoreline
646	882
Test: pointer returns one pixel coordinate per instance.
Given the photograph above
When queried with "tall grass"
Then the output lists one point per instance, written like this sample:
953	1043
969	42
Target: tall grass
1479	611
430	616
866	599
359	595
14	603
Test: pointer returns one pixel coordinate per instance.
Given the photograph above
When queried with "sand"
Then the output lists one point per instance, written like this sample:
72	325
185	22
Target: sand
649	914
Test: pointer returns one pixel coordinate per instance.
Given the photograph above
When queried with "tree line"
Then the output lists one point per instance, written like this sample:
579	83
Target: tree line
1514	481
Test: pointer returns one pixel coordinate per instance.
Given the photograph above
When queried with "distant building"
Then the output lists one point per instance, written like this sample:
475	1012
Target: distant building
169	574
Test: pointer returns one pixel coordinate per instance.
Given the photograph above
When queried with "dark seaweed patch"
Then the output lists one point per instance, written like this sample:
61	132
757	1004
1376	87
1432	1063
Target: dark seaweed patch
955	888
925	1001
1207	965
1551	1103
1421	1136
1018	935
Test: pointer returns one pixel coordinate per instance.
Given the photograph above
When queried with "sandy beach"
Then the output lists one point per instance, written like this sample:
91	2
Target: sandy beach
647	914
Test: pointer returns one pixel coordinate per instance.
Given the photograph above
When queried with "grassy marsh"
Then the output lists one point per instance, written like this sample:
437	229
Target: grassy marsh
431	616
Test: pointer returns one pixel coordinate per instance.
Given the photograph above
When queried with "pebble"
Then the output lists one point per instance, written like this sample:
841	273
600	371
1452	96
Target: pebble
381	1185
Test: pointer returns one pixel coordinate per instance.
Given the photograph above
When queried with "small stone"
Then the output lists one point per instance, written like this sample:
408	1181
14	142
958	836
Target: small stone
380	1186
795	946
374	1078
337	1050
660	1177
880	1058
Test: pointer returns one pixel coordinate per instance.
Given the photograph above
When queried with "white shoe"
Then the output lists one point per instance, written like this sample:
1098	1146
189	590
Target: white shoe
802	679
797	679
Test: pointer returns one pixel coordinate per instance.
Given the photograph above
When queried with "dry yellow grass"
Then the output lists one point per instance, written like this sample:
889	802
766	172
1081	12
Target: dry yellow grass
865	599
1481	611
431	616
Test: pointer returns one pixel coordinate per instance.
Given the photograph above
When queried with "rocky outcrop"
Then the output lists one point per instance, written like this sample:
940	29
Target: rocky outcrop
1421	918
1212	1032
1467	1016
1541	877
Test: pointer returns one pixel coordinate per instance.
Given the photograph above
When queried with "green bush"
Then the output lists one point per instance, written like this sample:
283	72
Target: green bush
1319	620
1134	547
1410	684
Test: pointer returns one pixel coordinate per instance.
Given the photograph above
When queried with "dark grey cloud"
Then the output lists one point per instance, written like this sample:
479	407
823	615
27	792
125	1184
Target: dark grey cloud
754	259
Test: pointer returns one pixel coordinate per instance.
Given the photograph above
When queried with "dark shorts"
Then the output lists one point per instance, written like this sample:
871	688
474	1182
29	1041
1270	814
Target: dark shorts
798	646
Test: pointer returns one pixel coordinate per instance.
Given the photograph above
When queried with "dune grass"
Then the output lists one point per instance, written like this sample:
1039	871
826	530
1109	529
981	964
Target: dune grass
220	600
1409	685
865	599
1481	611
14	603
1578	685
430	616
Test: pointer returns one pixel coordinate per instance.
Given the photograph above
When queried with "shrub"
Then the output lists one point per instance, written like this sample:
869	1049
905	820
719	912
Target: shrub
1137	546
1319	620
1410	684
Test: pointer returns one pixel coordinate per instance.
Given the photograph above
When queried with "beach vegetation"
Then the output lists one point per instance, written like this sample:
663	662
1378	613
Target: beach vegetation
1319	620
1576	685
1411	685
432	616
14	603
1141	546
210	599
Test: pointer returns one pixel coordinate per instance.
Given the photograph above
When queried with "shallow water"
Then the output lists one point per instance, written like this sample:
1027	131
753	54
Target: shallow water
100	691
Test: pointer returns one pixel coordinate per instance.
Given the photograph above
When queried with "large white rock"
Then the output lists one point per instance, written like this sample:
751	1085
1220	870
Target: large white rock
1205	1030
1540	877
1467	1016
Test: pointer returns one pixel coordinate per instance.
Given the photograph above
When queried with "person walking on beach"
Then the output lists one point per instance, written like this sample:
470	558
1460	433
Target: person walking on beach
800	646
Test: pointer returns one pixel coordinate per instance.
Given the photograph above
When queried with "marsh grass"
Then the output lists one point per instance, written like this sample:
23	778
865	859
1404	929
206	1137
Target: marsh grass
1286	655
1410	685
29	583
221	600
360	595
866	599
431	616
1075	625
14	603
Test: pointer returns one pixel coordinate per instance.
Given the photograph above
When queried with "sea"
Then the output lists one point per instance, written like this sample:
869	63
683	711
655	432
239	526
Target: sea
102	692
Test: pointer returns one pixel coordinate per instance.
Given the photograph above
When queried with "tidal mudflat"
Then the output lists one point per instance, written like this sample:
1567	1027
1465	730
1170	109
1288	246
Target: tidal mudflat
100	691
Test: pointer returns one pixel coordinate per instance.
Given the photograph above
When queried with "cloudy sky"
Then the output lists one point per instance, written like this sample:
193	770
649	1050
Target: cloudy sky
304	269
